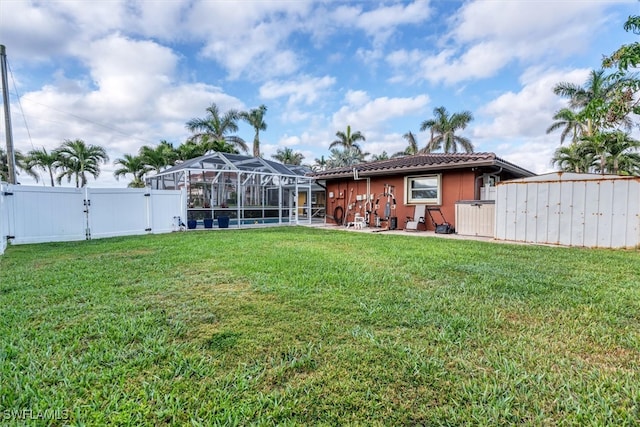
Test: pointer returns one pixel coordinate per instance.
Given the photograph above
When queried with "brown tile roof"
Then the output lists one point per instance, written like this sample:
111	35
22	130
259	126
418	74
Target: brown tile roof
423	162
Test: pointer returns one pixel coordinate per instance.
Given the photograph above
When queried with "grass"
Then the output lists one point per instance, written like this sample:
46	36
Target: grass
298	326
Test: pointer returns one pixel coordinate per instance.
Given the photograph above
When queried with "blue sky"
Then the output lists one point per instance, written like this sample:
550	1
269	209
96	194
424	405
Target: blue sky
123	74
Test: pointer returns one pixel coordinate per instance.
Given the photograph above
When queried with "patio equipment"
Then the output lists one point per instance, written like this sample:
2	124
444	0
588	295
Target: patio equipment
442	228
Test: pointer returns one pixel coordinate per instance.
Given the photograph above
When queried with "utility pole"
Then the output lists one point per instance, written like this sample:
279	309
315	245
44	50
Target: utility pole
11	157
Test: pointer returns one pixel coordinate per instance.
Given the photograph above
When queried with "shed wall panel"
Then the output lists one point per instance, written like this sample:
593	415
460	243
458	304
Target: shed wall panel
576	223
605	214
501	213
591	212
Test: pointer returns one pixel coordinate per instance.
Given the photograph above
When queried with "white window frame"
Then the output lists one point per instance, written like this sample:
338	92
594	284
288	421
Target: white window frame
410	200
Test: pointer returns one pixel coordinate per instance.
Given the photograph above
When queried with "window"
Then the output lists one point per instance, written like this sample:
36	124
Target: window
423	189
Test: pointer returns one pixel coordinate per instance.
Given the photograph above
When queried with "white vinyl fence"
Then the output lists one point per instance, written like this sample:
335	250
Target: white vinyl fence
4	220
30	214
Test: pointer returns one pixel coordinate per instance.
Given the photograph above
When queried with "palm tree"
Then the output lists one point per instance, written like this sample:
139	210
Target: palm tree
288	157
571	124
190	150
443	131
340	158
42	159
255	118
623	156
572	158
320	164
20	163
216	127
348	141
596	101
79	159
381	156
159	157
412	149
133	165
4	165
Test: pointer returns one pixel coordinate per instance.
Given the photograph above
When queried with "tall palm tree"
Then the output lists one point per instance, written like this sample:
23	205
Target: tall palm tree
570	123
133	165
348	140
412	149
255	118
591	99
159	157
217	127
42	159
598	85
77	159
443	131
288	157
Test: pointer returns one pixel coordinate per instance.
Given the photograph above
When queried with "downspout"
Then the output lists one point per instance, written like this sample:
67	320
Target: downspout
356	177
476	188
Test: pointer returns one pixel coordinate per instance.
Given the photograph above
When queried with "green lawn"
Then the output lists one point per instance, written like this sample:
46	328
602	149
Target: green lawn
302	326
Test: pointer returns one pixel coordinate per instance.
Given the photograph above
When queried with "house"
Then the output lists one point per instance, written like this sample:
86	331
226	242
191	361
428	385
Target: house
385	193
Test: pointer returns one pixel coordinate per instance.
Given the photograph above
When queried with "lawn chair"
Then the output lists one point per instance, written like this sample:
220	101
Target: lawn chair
413	224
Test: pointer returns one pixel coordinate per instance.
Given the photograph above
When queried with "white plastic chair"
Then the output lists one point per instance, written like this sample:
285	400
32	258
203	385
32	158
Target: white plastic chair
358	221
412	224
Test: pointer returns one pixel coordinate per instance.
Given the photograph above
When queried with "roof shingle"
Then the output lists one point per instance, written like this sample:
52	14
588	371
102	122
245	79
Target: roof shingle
422	162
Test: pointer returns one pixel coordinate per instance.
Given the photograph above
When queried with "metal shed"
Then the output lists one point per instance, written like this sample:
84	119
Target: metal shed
243	190
570	209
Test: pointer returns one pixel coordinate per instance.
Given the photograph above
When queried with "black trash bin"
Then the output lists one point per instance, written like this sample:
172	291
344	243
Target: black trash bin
223	222
393	223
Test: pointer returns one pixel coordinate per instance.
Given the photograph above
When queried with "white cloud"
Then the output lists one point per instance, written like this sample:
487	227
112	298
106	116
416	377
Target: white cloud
528	20
249	40
380	23
377	143
528	112
480	61
363	114
305	89
47	35
289	141
485	36
356	98
514	124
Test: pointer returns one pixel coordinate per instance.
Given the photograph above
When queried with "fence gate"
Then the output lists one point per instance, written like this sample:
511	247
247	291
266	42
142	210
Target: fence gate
112	212
44	214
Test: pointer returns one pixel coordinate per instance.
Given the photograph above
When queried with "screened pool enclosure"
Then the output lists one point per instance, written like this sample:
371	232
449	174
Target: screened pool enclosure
243	190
